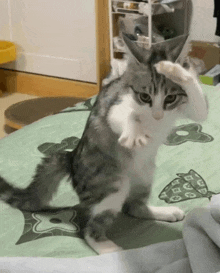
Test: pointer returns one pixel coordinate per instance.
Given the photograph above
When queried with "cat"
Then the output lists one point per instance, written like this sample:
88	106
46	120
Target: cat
112	167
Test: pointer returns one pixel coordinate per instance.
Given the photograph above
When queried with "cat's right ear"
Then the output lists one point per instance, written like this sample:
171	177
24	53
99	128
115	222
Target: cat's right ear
140	54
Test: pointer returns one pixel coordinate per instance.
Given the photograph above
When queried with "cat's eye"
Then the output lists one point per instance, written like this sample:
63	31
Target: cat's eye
170	99
145	97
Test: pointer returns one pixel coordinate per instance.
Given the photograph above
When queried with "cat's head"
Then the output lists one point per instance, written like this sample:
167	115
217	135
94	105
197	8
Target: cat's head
159	94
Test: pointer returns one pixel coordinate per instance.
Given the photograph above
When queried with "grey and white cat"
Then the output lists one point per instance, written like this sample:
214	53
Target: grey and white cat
112	168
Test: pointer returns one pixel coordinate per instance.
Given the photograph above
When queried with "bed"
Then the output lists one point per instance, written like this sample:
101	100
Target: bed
187	176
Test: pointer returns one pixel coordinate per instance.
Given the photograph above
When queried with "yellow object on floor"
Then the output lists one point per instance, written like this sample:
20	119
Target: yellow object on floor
7	52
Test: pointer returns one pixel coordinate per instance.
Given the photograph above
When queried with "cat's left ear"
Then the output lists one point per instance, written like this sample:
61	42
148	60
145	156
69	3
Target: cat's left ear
140	54
174	47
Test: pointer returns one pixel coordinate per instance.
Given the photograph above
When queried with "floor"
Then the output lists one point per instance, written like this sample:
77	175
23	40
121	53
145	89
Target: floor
5	101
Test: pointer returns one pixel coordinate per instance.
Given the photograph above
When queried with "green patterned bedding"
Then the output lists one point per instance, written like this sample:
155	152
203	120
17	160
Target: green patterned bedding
187	175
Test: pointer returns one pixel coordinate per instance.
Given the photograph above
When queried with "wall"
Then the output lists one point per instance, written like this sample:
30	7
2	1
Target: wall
54	37
57	37
203	23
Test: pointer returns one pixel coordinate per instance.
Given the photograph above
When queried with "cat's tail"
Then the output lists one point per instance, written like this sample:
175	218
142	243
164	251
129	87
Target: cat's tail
45	183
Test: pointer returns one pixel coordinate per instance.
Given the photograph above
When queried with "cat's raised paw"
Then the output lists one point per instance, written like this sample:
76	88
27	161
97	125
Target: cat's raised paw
174	71
130	142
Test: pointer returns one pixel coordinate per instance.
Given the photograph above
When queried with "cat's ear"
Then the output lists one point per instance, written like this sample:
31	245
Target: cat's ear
169	49
174	47
140	54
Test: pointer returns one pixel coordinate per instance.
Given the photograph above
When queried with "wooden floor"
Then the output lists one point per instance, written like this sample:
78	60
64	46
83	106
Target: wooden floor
5	101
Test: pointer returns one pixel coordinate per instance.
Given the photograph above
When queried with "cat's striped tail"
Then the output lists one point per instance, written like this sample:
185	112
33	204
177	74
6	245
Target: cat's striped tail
45	182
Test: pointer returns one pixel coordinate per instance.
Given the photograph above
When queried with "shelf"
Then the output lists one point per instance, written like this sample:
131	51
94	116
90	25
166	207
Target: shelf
146	44
160	21
144	8
7	52
121	11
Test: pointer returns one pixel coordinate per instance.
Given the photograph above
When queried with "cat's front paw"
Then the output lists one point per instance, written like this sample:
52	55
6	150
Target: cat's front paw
132	142
174	71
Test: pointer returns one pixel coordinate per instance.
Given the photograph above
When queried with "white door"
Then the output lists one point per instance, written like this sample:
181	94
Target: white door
53	37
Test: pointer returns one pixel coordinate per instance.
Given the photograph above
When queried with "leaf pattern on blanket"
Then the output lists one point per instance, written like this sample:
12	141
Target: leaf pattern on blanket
187	186
190	132
49	148
58	222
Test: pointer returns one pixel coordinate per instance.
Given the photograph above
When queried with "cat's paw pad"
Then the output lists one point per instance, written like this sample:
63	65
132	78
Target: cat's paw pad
173	214
130	142
174	72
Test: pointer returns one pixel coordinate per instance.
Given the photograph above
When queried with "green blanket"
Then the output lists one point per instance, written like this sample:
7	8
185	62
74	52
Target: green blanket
187	176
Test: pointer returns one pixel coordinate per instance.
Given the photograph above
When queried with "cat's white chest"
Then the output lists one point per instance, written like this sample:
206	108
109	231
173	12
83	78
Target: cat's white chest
142	166
140	133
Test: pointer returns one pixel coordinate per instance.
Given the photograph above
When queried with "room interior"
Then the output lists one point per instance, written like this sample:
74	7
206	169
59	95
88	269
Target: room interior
64	50
37	70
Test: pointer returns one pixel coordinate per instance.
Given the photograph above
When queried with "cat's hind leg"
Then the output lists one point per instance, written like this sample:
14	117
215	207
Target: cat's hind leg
139	209
102	216
95	233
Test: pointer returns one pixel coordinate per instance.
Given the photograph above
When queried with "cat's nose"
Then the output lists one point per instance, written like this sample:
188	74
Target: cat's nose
158	115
